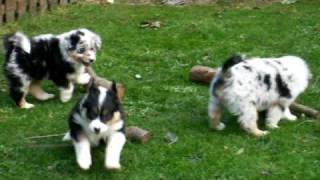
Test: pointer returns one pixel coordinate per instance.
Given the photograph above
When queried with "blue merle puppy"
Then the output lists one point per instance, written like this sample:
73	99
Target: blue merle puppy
97	117
246	86
59	58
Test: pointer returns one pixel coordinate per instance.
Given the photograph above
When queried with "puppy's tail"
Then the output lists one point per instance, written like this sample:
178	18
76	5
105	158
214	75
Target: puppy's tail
222	74
231	62
67	137
16	40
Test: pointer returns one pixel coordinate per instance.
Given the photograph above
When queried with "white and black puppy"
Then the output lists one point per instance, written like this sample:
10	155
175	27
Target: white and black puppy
248	86
98	117
60	58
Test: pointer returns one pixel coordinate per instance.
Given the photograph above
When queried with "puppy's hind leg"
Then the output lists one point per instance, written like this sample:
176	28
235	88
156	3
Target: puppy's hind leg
38	93
18	94
83	155
215	112
248	119
274	114
115	144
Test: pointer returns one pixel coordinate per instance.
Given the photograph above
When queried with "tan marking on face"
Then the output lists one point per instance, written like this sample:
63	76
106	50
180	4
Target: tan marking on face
275	103
79	57
116	118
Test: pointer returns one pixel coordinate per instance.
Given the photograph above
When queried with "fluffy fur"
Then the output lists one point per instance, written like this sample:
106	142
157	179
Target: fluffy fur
97	117
246	87
60	58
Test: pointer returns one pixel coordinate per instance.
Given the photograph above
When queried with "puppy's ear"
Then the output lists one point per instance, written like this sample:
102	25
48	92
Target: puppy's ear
97	41
74	39
92	84
114	87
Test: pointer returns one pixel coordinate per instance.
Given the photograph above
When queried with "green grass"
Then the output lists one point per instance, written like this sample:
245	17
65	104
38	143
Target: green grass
164	100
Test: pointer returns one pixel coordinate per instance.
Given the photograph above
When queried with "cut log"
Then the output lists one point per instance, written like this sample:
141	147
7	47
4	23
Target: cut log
204	74
134	133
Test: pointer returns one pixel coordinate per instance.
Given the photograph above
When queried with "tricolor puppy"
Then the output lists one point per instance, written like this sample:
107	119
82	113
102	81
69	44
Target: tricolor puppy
98	117
247	86
60	58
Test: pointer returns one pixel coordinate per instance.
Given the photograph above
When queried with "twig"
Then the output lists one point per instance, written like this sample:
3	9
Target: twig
45	136
31	146
105	83
299	108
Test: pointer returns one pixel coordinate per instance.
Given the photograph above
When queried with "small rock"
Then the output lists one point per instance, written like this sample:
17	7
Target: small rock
240	151
151	24
171	138
138	76
266	173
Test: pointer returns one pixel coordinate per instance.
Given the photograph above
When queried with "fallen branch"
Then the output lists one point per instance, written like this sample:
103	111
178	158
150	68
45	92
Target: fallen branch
46	136
105	83
61	145
299	108
133	133
204	74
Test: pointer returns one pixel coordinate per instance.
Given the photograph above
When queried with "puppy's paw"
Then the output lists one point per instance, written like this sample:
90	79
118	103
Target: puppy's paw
65	99
291	117
113	167
272	126
220	127
261	133
45	96
65	96
26	105
84	163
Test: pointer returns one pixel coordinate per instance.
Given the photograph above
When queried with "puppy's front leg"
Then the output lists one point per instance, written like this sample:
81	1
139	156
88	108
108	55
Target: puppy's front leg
66	93
113	151
83	155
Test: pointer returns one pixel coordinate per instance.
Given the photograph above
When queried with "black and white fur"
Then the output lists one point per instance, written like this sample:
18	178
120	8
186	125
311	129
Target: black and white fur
97	117
60	58
248	86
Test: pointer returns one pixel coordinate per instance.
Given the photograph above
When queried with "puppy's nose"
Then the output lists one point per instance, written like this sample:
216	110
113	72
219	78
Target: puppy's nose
91	60
96	130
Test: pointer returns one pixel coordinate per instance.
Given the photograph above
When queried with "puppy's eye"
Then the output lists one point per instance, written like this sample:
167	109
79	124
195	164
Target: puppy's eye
105	112
81	50
95	110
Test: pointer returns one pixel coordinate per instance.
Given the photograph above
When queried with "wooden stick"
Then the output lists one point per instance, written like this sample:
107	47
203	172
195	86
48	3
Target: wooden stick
61	145
299	108
135	133
45	136
105	83
205	74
